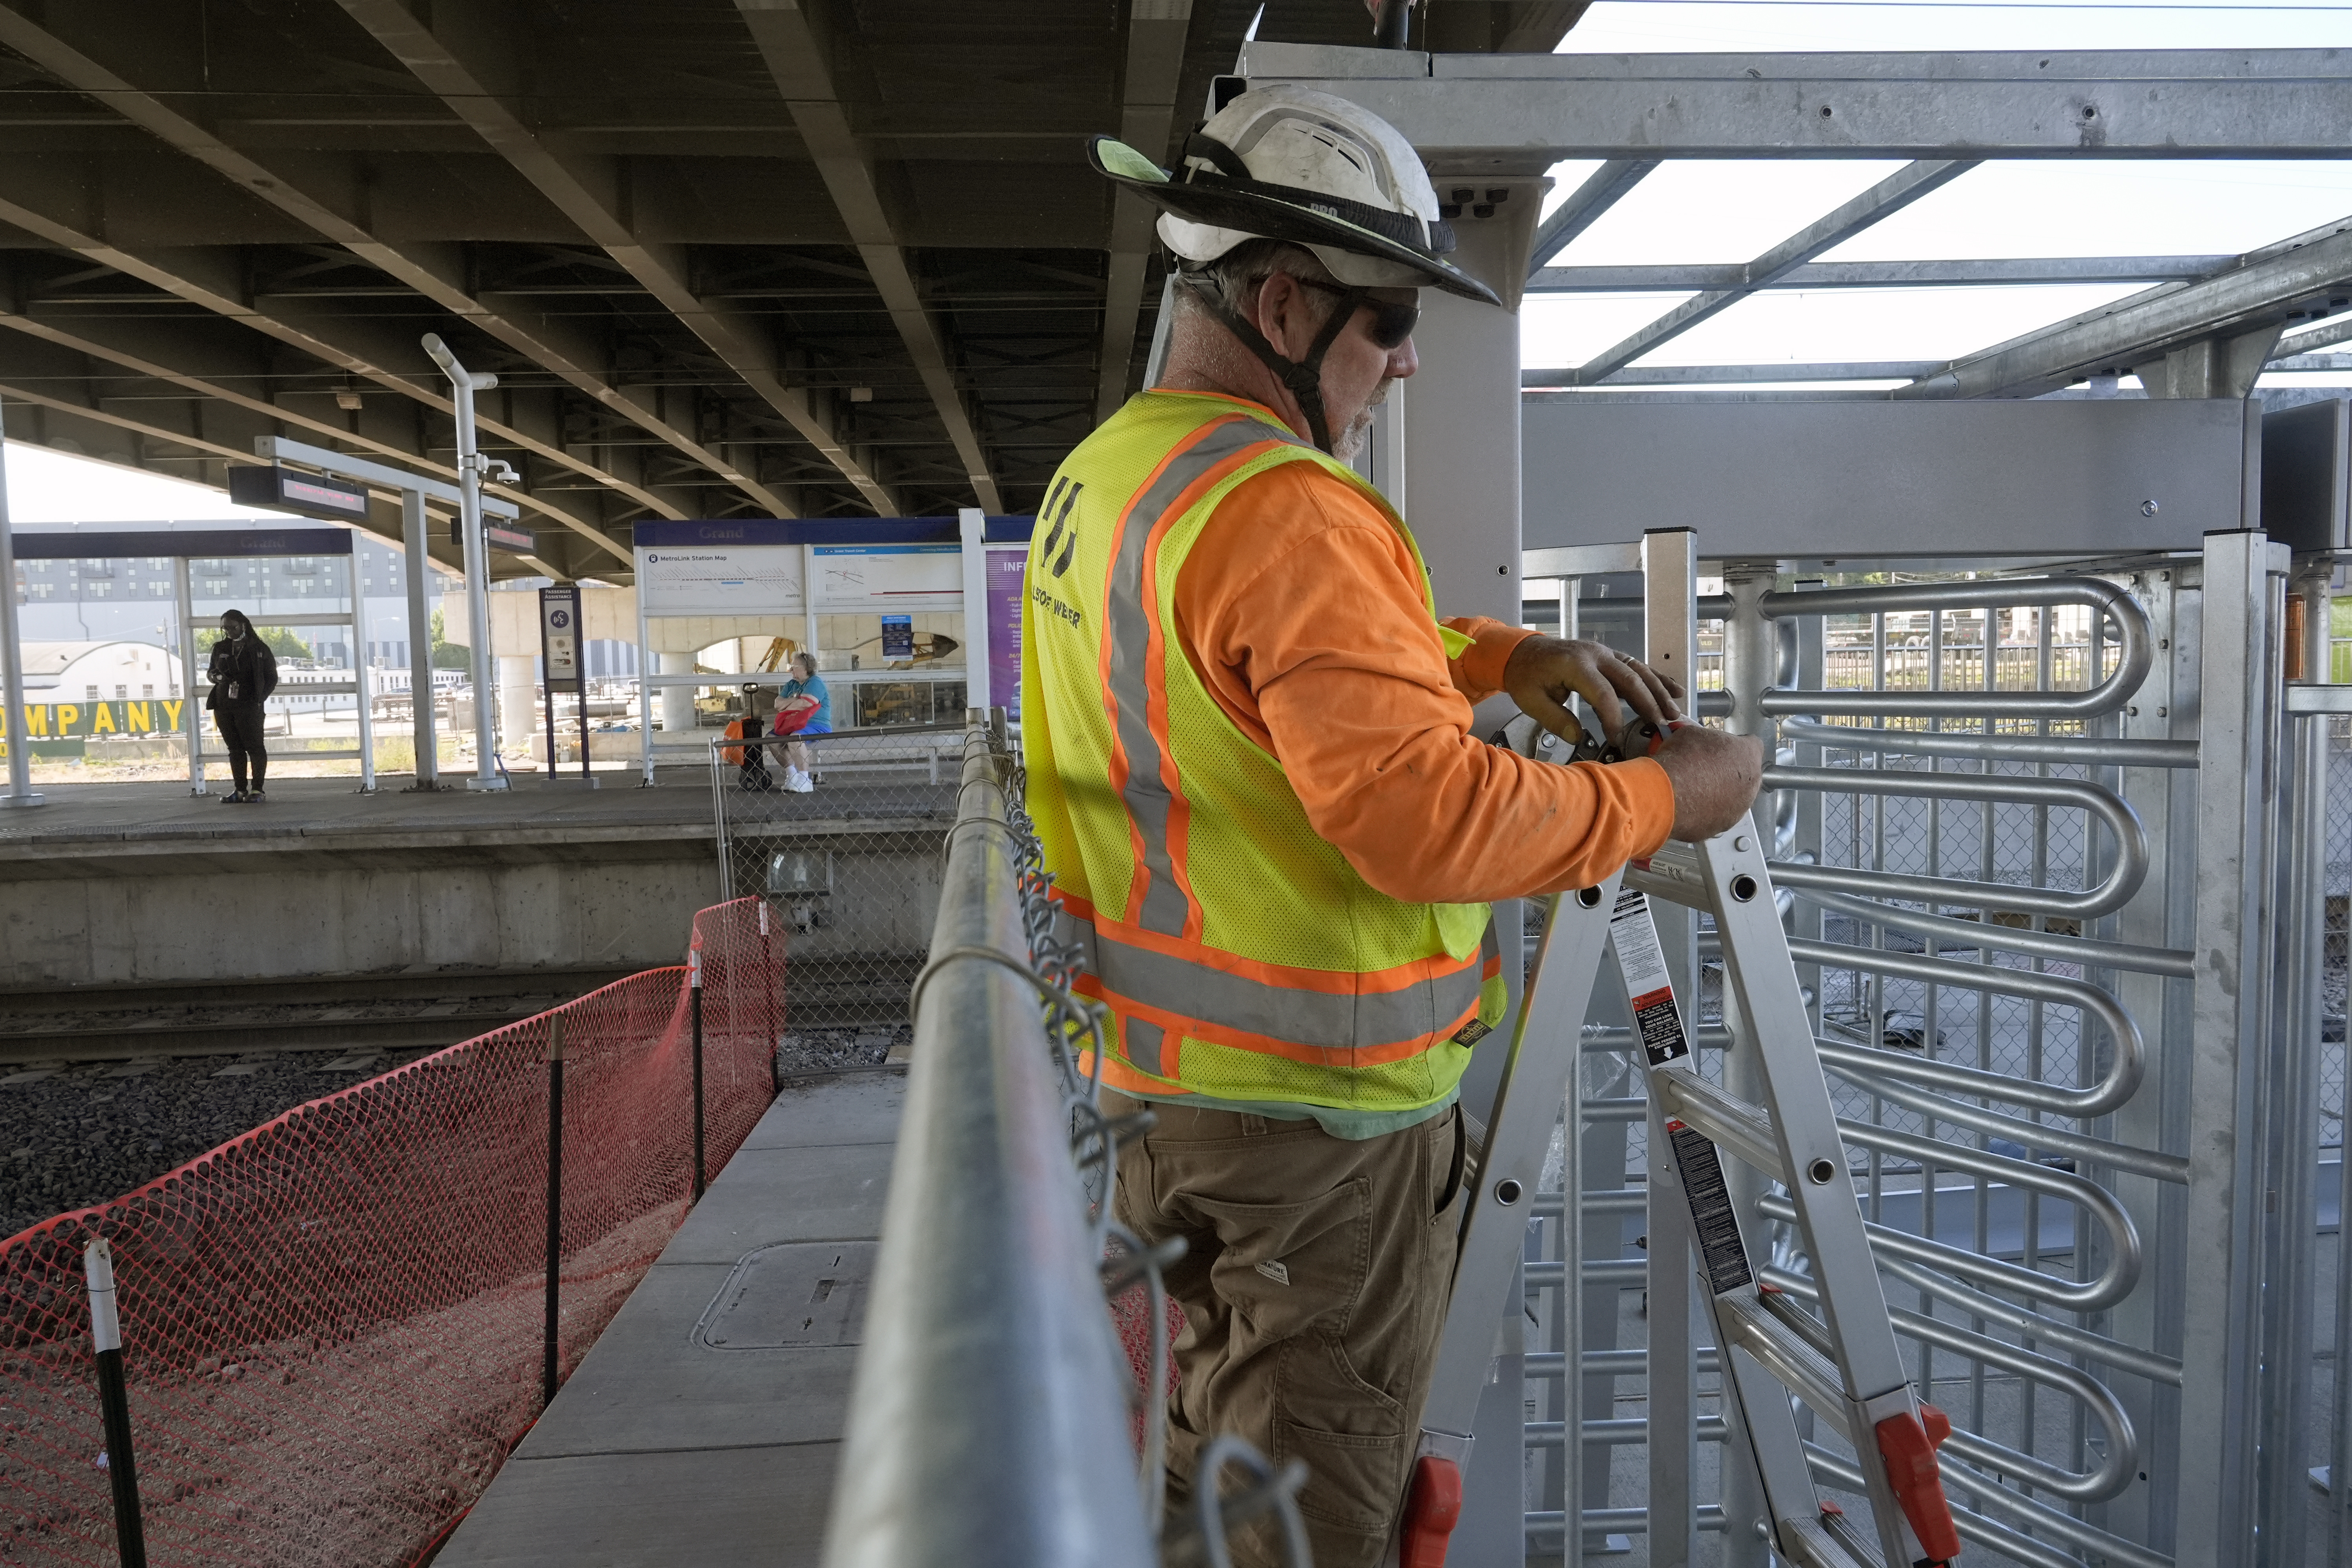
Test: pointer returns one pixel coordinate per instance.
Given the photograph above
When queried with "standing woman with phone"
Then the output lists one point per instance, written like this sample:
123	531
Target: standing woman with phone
243	673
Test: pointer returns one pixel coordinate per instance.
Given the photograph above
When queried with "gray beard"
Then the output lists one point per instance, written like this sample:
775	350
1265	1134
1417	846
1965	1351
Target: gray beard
1348	443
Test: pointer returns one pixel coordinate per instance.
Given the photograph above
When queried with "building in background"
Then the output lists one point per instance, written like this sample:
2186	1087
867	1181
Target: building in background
113	671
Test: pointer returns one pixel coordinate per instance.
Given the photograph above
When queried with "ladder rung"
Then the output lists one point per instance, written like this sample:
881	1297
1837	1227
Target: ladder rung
1728	1121
1811	1545
1676	881
1787	1356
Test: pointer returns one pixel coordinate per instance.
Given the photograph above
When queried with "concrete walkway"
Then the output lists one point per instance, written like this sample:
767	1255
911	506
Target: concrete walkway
703	1426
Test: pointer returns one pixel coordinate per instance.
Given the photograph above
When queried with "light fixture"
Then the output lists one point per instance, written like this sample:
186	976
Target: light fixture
861	394
347	399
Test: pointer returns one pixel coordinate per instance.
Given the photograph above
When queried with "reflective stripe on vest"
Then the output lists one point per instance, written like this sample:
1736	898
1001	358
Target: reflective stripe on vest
1160	901
1317	1010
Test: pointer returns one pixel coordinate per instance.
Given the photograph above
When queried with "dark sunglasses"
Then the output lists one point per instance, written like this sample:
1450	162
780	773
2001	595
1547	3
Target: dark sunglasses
1391	323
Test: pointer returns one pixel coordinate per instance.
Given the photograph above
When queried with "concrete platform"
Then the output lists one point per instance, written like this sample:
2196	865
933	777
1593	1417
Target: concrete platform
128	884
704	1426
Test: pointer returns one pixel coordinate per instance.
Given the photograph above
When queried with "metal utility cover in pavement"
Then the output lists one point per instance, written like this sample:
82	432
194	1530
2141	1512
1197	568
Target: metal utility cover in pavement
790	1295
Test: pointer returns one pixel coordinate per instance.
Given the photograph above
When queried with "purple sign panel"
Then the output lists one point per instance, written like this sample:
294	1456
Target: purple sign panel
1007	570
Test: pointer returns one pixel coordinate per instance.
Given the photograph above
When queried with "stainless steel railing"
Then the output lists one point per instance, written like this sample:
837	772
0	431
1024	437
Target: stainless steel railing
990	1418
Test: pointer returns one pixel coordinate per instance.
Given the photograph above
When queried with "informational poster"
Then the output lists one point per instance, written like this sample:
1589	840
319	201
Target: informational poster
893	577
558	634
1008	569
898	637
720	579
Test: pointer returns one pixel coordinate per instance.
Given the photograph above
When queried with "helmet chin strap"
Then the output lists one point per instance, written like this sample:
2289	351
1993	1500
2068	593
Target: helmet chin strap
1303	377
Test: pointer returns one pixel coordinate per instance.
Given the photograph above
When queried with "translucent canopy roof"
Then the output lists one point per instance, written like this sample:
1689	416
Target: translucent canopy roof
2125	226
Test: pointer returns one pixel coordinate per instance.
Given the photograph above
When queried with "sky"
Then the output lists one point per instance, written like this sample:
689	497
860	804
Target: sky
1730	211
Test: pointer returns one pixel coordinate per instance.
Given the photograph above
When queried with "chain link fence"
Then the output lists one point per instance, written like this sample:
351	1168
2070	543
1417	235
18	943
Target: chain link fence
850	865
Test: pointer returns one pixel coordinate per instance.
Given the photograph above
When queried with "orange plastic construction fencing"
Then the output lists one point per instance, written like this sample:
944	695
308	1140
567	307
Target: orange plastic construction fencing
332	1326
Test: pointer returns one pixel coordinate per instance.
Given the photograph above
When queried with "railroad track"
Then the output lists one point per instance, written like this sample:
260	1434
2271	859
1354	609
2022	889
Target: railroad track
349	1015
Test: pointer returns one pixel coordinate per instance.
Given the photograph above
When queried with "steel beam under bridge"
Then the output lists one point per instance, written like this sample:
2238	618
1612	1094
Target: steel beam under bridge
1521	114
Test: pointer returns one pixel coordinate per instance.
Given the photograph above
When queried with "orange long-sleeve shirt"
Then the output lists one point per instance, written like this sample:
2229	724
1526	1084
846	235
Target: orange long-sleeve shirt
1300	607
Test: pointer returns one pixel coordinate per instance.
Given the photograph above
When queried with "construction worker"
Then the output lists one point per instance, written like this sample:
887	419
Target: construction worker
1250	764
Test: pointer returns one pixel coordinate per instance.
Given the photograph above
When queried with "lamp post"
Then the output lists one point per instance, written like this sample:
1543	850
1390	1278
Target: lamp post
464	384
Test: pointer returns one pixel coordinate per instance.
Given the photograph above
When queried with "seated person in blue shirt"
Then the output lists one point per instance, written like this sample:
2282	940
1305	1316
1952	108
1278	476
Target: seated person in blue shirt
803	707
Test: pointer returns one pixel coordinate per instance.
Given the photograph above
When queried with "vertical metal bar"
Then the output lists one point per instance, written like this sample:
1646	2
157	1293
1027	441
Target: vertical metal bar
1670	646
551	1333
425	735
2221	1339
12	660
363	696
694	985
2291	1209
1751	657
645	692
114	1401
192	715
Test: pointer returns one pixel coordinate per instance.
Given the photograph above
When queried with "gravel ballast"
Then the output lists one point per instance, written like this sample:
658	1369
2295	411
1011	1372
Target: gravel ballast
79	1135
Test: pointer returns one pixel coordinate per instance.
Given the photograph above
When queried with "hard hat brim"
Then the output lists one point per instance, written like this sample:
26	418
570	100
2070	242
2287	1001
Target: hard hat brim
1252	211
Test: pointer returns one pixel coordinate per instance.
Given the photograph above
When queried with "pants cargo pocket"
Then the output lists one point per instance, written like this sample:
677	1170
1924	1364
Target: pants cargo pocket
1352	1480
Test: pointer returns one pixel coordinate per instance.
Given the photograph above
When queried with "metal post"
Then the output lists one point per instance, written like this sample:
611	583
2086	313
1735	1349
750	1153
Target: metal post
1670	644
192	715
1750	657
645	693
12	662
694	985
548	1342
464	384
2215	1499
114	1403
427	739
972	526
364	695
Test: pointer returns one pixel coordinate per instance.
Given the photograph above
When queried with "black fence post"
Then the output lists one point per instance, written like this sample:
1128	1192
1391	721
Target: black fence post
114	1403
694	985
554	1201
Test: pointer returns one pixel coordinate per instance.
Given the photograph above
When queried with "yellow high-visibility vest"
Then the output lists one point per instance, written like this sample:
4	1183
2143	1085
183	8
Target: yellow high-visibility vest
1240	955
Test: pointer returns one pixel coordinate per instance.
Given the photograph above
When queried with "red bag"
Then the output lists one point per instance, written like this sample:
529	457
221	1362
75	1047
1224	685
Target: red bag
792	715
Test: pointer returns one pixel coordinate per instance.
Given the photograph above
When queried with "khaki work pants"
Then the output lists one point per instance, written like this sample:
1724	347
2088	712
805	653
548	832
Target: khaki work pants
1313	1288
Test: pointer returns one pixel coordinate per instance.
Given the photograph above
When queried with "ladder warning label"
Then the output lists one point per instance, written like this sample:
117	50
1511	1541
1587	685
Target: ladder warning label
1714	1224
1647	989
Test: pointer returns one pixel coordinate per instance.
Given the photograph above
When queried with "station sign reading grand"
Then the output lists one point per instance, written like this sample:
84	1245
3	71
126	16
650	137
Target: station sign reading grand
770	566
716	569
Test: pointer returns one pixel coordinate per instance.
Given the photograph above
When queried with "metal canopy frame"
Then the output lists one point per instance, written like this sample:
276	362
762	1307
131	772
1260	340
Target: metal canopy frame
2208	326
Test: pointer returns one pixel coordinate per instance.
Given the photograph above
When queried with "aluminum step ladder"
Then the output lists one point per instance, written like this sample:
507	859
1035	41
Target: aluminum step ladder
1842	1364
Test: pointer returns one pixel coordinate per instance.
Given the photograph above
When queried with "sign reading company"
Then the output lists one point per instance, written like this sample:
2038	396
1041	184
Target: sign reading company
717	569
79	720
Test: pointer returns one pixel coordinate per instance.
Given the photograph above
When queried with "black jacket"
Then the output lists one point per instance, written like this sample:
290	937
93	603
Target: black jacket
244	671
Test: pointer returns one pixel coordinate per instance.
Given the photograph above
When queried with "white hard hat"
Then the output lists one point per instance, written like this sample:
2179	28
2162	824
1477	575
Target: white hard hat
1291	164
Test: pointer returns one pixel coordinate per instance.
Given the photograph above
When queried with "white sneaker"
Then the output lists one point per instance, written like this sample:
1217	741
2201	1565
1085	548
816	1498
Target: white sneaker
798	782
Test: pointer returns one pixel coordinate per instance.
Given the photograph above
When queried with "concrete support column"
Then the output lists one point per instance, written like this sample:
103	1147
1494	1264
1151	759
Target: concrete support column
676	709
518	699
